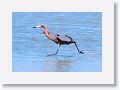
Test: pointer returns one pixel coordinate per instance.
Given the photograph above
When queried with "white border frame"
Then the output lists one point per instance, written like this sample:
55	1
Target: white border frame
104	6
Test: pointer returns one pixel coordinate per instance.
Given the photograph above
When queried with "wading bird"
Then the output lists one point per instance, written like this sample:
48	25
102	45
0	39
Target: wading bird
58	39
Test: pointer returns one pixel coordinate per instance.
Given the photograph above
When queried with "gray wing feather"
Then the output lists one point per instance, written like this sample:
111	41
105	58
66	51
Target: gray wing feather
54	35
61	37
65	38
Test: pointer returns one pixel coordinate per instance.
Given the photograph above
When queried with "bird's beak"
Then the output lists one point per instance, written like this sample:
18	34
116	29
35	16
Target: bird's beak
34	27
37	26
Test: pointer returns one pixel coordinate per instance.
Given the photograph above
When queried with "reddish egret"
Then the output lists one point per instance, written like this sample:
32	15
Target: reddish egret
58	39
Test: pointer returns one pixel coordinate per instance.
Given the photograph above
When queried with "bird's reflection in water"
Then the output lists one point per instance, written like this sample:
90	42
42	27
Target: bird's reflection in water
57	64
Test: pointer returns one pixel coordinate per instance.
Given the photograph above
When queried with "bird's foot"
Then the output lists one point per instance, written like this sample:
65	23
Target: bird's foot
51	54
81	52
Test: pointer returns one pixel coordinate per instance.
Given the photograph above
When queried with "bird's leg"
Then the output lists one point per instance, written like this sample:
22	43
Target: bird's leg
56	51
58	48
78	49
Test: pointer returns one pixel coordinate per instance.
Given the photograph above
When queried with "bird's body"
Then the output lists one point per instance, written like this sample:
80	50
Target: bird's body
62	39
57	38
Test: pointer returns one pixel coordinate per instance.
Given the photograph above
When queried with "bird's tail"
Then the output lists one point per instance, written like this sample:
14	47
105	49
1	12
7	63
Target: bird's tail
78	48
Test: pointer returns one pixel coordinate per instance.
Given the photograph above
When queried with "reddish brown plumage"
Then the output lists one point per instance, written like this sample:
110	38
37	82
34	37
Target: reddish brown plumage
58	39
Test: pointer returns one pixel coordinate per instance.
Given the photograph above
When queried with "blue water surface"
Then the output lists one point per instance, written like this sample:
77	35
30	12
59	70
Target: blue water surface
30	46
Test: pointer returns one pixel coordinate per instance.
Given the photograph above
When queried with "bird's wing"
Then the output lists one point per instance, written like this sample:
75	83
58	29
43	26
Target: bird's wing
53	34
64	38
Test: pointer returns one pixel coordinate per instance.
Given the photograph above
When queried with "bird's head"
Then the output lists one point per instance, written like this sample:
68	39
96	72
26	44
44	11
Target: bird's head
40	26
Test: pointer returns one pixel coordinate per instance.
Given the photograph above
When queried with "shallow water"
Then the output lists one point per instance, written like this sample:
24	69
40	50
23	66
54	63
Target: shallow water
30	46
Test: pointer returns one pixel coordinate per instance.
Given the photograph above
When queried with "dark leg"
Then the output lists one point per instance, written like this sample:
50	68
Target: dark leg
57	48
56	51
78	49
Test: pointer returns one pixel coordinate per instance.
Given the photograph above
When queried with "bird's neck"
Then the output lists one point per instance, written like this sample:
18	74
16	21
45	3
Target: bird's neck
47	33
